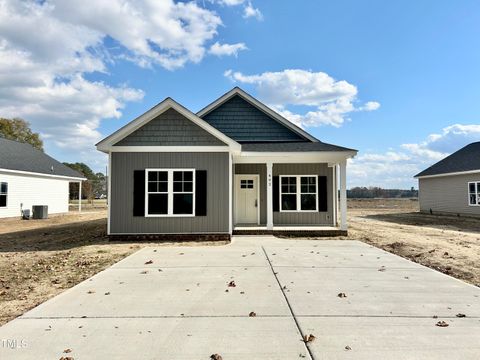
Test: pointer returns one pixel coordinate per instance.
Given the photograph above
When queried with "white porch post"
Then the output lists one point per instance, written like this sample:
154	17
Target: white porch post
80	196
269	196
343	195
230	194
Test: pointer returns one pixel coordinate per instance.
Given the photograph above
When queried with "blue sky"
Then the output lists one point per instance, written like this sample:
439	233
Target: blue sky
396	80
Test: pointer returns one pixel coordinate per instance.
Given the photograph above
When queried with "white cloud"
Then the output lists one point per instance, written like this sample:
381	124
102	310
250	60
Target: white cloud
327	100
250	11
227	49
49	48
370	106
396	167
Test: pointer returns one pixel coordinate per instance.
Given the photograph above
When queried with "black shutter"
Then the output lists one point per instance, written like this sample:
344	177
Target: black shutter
139	193
322	194
201	193
275	194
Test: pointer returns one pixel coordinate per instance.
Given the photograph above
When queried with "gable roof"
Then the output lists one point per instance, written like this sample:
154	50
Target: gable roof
234	128
170	128
23	157
293	147
151	114
466	159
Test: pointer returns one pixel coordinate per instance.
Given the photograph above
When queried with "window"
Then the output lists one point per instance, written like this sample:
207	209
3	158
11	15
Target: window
298	193
170	192
3	194
246	184
474	193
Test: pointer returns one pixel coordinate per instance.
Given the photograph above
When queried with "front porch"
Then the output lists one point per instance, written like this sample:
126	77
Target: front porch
295	194
316	231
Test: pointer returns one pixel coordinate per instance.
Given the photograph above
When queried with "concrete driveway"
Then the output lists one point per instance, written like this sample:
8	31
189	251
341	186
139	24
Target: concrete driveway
175	303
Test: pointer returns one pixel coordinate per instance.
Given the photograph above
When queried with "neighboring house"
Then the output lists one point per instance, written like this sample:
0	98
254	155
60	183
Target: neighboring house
234	167
452	186
30	177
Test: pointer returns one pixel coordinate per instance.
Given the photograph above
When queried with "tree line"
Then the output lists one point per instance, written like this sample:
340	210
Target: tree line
377	192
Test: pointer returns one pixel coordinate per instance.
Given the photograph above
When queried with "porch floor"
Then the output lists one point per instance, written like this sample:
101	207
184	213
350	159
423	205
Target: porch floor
306	230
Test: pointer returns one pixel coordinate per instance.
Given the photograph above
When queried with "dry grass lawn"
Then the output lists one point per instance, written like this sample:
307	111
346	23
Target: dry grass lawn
449	244
41	258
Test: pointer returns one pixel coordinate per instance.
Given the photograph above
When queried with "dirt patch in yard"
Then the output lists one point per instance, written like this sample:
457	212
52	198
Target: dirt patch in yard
449	244
40	259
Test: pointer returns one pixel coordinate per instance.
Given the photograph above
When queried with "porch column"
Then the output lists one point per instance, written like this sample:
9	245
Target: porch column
269	196
343	195
80	196
230	194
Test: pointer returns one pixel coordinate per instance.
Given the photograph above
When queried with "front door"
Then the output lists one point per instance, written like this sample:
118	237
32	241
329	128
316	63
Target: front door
246	199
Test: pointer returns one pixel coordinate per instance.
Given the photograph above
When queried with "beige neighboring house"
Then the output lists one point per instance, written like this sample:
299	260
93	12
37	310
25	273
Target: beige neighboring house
452	186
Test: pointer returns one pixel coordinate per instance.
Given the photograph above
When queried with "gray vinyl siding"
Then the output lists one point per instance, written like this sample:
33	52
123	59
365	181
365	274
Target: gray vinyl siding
170	129
242	121
306	218
257	169
447	194
122	168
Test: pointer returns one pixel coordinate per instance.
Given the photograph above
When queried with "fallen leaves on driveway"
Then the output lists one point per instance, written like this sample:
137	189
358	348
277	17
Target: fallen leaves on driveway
66	351
149	262
232	284
342	295
215	357
308	338
252	314
460	315
441	324
91	292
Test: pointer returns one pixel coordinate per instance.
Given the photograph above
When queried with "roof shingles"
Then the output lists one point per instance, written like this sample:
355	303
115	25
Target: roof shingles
23	157
465	159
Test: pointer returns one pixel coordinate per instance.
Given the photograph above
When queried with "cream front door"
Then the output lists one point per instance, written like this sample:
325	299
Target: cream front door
246	199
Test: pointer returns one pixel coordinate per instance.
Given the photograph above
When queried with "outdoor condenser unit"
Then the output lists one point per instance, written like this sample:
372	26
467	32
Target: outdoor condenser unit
40	211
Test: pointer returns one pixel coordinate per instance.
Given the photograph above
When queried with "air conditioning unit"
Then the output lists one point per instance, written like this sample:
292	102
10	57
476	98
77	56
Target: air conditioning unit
40	212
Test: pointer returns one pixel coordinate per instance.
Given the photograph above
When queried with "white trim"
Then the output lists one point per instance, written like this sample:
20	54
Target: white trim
343	196
334	192
449	174
230	194
262	107
44	175
151	114
109	192
293	157
476	193
170	193
237	183
298	194
79	196
169	149
6	195
269	195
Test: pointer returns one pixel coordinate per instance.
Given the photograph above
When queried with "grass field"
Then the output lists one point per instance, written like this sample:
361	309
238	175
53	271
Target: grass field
41	258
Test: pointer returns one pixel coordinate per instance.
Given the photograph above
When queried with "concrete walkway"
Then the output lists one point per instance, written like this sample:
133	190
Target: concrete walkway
180	306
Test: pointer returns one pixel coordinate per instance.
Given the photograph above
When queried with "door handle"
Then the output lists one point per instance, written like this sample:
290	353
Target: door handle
256	204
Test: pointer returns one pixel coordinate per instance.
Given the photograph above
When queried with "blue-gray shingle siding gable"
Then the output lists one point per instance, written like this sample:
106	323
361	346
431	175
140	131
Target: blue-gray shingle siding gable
243	122
170	129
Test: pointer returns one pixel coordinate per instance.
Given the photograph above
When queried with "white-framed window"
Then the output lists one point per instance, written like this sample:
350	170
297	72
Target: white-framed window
298	193
474	193
169	192
3	194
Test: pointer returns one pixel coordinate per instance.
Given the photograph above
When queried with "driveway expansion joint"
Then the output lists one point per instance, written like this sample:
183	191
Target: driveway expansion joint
289	306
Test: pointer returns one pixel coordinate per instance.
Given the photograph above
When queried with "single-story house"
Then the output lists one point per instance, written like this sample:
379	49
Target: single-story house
452	185
236	166
30	177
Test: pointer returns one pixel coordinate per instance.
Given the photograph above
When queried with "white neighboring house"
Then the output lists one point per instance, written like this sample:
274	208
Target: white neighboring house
30	177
